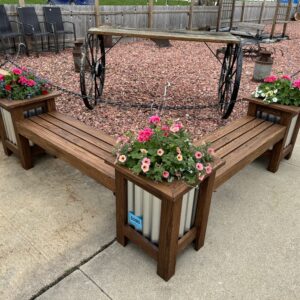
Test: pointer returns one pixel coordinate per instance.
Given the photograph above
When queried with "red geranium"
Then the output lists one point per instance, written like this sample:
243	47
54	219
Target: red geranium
8	87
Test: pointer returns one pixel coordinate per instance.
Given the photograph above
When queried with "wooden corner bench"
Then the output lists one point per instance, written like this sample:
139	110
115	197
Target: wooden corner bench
88	150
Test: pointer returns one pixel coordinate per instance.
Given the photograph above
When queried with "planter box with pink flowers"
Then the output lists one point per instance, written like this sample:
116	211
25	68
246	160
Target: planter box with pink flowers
163	190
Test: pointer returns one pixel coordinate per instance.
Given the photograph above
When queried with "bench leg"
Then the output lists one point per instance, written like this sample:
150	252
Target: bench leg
203	206
168	238
121	208
25	152
276	157
7	151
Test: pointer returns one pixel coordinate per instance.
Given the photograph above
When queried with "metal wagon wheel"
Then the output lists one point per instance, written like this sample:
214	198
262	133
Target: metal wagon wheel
92	70
229	82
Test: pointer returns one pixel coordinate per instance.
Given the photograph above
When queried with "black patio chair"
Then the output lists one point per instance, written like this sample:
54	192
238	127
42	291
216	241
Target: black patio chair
31	27
56	25
7	35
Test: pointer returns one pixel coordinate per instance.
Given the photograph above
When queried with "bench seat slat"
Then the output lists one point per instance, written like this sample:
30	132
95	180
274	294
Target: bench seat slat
248	152
213	137
73	138
236	143
78	124
248	127
76	156
77	132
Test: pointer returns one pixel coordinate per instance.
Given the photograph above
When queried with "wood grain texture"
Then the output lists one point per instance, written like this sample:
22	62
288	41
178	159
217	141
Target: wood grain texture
168	238
12	104
121	208
213	37
75	150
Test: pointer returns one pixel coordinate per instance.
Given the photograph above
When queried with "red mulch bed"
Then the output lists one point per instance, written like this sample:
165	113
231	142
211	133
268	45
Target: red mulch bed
138	72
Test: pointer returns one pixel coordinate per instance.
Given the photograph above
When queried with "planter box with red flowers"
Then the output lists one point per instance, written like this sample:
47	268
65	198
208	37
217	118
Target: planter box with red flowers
278	100
163	190
22	95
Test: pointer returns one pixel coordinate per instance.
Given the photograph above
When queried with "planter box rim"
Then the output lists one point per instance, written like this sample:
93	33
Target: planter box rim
11	104
287	108
171	191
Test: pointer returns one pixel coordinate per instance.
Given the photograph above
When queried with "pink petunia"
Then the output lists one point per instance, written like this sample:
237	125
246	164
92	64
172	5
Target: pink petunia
145	168
17	71
165	174
146	161
31	82
154	119
270	79
199	166
208	169
287	77
198	154
23	80
1	77
296	84
145	135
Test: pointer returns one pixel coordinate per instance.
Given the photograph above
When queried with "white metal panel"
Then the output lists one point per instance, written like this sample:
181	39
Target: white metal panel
156	211
189	210
138	201
291	130
9	127
183	214
147	213
130	193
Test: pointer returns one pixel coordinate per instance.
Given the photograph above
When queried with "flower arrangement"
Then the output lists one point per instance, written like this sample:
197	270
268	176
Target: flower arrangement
163	151
281	90
20	84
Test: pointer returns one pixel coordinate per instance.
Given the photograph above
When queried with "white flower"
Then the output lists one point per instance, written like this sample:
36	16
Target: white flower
274	99
275	91
263	94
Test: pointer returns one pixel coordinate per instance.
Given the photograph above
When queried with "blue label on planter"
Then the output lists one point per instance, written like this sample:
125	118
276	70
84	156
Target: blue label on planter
136	221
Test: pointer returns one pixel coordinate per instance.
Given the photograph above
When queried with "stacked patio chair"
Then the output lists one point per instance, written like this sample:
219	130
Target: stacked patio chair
31	27
7	35
55	24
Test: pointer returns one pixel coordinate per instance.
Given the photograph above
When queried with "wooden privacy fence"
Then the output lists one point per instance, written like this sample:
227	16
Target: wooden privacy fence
161	17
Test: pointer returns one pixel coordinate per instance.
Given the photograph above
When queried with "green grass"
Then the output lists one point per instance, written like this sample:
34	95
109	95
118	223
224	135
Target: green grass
108	2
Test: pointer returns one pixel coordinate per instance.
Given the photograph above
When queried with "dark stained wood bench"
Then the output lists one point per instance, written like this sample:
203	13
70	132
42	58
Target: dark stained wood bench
243	141
81	146
89	150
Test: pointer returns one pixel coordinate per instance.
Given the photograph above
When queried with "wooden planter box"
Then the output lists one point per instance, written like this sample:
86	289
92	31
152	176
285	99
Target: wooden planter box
288	116
12	111
162	218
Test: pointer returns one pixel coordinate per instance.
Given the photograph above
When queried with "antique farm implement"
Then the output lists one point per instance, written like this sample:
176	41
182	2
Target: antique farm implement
92	74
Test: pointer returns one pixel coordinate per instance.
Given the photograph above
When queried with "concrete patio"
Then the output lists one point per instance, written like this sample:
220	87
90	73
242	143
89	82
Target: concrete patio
57	230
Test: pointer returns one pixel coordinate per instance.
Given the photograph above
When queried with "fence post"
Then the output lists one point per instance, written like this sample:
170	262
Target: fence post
22	3
232	14
219	15
261	12
97	14
287	17
150	13
190	23
275	19
243	12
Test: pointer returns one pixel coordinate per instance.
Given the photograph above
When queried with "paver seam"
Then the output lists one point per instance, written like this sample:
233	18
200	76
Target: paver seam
95	283
71	270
